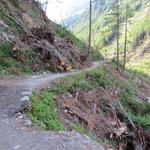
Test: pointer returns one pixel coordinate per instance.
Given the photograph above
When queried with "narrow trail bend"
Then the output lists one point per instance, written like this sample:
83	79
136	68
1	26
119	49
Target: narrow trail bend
14	135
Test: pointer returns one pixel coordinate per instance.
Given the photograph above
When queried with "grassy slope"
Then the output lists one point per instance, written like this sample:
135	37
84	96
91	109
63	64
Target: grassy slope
9	65
139	63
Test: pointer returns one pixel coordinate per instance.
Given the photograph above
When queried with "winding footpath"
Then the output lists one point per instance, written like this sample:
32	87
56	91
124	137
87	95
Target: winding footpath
15	130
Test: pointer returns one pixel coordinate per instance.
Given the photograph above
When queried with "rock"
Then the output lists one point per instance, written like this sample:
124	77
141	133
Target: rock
28	123
25	98
25	102
26	93
65	111
44	73
148	100
16	147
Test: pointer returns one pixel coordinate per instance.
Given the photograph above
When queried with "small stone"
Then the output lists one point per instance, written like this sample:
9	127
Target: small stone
16	147
148	100
26	93
66	111
25	102
51	138
28	123
19	116
25	98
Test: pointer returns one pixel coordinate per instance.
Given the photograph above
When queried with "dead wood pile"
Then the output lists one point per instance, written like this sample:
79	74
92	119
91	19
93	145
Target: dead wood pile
54	53
94	111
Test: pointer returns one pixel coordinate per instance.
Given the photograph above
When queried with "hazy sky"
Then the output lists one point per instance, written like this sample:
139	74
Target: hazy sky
65	8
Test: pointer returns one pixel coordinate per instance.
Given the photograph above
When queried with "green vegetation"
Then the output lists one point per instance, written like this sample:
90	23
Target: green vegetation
137	110
44	105
103	26
82	82
78	128
44	113
9	65
6	50
9	21
140	68
139	31
104	34
64	33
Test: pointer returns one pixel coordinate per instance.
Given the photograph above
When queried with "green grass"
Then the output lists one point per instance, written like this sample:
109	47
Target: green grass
81	82
136	109
140	120
78	128
13	26
5	50
44	113
9	65
140	69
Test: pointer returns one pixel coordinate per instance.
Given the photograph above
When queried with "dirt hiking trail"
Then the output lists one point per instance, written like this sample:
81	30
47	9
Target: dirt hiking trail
15	133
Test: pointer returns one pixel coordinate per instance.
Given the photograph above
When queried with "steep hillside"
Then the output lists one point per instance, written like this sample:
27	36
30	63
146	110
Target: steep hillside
104	29
27	33
103	32
139	61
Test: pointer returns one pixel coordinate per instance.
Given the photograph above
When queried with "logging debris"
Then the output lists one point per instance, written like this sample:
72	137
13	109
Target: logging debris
93	110
97	112
52	52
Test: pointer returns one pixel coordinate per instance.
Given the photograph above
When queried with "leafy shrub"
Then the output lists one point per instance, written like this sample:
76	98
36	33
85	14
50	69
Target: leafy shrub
97	77
5	50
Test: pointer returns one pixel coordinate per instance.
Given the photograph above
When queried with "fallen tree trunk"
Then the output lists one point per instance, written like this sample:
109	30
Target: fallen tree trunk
126	114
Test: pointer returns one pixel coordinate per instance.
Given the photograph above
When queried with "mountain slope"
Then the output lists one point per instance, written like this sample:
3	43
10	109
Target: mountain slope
27	33
104	32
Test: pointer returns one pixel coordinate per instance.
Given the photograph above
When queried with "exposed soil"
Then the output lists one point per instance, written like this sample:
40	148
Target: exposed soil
94	111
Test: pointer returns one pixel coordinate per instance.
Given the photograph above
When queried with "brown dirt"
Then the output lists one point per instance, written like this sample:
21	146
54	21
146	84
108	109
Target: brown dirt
94	110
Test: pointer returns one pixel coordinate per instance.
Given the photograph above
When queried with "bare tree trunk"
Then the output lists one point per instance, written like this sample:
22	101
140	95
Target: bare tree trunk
46	3
125	42
90	26
118	24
